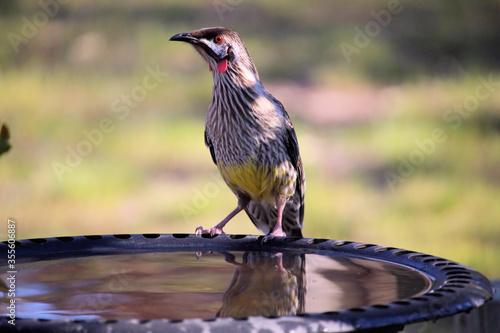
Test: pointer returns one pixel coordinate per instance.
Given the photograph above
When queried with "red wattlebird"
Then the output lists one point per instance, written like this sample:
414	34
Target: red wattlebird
251	138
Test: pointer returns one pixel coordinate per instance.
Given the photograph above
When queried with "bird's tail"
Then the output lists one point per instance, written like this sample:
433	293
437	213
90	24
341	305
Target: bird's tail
264	215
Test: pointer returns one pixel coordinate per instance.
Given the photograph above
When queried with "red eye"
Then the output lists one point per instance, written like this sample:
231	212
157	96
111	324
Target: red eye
218	39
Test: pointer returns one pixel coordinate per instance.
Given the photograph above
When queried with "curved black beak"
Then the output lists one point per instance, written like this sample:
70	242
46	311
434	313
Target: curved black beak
188	38
185	37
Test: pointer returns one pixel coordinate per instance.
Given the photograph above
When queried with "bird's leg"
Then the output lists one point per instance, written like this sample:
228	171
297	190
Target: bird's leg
243	202
230	258
278	229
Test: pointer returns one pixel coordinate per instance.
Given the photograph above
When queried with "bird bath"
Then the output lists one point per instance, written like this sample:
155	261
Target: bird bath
178	282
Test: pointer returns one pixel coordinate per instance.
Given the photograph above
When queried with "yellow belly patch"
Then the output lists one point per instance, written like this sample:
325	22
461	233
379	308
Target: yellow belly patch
258	180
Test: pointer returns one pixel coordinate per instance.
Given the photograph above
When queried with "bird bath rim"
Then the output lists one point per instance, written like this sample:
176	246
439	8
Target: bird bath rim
455	288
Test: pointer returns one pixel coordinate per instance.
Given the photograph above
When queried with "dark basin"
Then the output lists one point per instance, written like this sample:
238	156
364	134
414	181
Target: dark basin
179	282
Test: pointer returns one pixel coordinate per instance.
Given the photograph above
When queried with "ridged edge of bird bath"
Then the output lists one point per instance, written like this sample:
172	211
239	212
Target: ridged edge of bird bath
455	288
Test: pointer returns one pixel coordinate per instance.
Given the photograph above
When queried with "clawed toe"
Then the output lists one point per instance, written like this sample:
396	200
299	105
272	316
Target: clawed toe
212	231
273	235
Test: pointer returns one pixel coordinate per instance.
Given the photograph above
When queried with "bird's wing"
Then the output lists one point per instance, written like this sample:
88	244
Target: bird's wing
294	154
210	146
263	214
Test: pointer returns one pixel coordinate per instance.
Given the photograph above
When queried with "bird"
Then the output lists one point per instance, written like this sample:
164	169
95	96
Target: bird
251	138
265	284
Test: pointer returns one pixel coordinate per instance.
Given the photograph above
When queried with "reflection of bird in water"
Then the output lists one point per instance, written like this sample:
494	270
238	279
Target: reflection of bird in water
265	284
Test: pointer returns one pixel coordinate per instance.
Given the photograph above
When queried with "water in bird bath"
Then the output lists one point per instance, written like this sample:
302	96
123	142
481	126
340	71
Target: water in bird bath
179	285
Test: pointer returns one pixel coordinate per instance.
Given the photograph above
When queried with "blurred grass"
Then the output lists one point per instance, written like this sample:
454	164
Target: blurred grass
152	173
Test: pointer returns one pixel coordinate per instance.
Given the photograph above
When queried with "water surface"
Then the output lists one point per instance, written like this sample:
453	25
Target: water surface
183	285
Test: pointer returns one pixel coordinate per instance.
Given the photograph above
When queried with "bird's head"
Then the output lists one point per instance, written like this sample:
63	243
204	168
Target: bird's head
222	48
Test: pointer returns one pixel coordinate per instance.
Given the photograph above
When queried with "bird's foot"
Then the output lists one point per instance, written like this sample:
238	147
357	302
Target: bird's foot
272	235
199	254
212	231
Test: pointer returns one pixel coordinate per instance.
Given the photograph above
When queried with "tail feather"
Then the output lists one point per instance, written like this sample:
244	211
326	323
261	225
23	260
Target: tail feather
264	215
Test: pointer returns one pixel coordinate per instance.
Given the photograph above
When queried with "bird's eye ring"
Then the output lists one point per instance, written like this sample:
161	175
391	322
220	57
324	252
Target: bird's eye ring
218	39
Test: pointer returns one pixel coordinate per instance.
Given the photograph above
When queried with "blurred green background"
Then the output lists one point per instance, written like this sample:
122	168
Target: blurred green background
397	111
